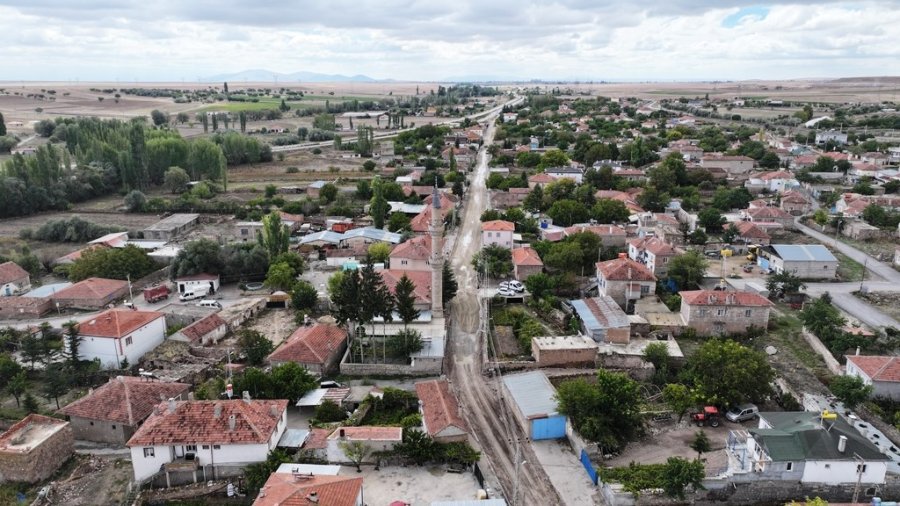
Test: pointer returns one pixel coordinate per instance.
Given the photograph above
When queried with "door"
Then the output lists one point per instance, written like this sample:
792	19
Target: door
179	452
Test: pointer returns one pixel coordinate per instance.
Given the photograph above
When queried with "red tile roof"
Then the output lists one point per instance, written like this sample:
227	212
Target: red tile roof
311	345
625	269
749	230
282	489
421	280
417	248
203	326
499	225
794	198
778	174
125	399
654	245
768	213
117	322
318	439
196	422
439	406
366	433
10	271
541	178
92	289
526	256
877	368
719	298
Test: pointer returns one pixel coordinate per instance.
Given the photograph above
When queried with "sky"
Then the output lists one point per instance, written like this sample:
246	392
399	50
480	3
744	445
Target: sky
419	40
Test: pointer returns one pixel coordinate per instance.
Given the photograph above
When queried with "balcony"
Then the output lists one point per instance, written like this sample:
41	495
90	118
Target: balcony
181	465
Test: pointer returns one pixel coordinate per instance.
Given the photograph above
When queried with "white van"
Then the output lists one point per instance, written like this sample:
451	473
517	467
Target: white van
209	303
193	294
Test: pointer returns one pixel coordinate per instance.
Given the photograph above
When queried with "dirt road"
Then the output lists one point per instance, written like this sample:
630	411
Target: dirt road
494	427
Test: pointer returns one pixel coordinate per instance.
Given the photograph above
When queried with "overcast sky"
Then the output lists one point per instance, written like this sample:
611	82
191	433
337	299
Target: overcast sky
435	40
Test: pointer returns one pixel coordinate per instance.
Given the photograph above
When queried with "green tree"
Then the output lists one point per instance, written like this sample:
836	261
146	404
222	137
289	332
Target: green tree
2	125
275	236
405	298
134	201
176	179
678	398
770	160
821	317
606	412
568	212
448	285
535	199
32	350
850	390
658	355
378	206
73	339
198	257
701	444
329	412
784	281
726	373
820	217
494	260
30	403
280	277
688	270
564	256
113	263
553	158
206	161
363	189
711	219
355	451
17	386
291	380
399	222
680	473
610	211
328	192
159	118
539	285
304	295
379	252
255	346
405	343
55	383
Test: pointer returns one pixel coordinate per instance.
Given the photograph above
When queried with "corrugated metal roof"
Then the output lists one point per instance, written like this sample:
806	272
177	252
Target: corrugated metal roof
803	252
373	233
600	313
532	393
293	438
325	235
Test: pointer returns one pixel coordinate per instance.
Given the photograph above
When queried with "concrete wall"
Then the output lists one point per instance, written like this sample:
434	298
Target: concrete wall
619	292
833	365
497	238
39	463
101	431
11	307
806	270
410	265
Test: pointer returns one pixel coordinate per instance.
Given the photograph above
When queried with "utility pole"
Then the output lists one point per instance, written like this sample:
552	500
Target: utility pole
863	280
518	464
860	465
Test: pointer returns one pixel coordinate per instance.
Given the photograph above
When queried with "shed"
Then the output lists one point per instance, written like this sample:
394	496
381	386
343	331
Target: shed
533	400
34	448
171	227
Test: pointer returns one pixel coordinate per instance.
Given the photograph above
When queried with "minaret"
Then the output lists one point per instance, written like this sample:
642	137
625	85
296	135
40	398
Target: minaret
436	230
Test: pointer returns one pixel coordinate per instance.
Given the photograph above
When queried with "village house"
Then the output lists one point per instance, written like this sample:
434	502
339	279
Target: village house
572	173
206	331
769	217
317	348
749	233
662	225
713	312
860	230
375	438
564	351
412	255
653	252
91	294
839	138
216	438
198	281
732	165
247	230
881	372
497	233
34	448
117	335
172	227
602	320
305	485
611	236
625	280
526	262
540	179
113	412
113	240
313	189
13	279
795	203
806	447
441	417
807	261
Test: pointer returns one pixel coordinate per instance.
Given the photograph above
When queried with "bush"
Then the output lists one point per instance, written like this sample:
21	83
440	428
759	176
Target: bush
135	201
329	412
292	170
316	151
73	229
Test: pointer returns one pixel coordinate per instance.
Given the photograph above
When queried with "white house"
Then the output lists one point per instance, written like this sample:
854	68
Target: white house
883	373
189	283
375	438
653	252
207	436
804	446
116	335
566	172
498	233
13	279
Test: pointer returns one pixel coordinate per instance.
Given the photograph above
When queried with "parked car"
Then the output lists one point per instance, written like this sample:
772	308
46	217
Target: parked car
506	292
515	285
742	413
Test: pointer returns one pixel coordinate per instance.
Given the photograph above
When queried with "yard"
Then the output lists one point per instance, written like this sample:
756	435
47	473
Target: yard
670	439
414	485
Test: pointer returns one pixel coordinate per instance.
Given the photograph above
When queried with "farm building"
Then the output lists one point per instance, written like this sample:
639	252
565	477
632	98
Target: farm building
550	351
533	401
205	331
34	448
171	227
807	261
117	335
602	319
13	279
91	293
318	348
712	312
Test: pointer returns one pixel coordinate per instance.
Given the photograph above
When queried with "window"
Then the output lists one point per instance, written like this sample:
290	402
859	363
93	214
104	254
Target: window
92	423
217	447
645	290
827	466
114	427
789	466
748	313
128	341
244	231
704	312
206	447
861	468
190	448
149	452
720	312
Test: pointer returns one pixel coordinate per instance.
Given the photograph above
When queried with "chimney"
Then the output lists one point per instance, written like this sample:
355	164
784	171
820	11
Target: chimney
273	410
232	421
341	433
313	497
190	396
842	443
155	410
246	397
171	405
623	255
857	351
217	411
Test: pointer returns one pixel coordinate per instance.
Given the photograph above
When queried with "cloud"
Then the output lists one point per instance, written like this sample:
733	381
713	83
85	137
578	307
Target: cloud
403	39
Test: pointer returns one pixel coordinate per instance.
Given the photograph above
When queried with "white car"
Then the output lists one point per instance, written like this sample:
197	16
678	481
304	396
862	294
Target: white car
505	292
503	285
515	285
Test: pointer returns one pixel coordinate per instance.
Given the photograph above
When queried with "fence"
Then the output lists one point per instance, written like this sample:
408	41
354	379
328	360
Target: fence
822	350
589	466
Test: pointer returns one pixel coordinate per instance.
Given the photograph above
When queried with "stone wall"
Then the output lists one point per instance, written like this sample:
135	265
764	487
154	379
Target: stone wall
634	365
39	463
419	367
100	431
833	365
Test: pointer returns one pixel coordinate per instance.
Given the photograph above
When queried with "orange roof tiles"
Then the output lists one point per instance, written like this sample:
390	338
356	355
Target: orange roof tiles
282	489
654	245
439	406
202	327
421	280
116	323
311	345
417	248
748	229
10	271
762	213
318	439
541	178
196	422
625	269
125	399
877	368
526	256
91	288
719	298
499	225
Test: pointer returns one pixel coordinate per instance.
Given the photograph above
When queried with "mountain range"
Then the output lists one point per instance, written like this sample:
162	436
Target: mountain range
267	76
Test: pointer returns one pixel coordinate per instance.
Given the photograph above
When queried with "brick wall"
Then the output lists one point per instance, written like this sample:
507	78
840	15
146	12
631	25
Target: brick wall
564	358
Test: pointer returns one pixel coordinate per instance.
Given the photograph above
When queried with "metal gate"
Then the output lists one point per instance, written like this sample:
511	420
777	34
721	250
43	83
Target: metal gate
588	466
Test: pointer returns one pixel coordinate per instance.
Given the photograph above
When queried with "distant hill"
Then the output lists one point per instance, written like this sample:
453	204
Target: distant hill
267	76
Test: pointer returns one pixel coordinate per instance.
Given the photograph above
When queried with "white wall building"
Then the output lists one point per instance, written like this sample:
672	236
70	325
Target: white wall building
119	334
497	233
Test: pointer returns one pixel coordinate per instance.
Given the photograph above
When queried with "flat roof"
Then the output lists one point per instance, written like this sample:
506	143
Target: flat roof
532	393
174	221
293	438
29	433
314	469
47	290
578	342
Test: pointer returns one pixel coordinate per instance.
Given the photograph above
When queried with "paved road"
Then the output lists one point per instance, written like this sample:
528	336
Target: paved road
495	429
886	272
863	311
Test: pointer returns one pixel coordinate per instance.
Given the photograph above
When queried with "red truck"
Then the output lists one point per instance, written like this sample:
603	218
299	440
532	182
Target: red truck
156	293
